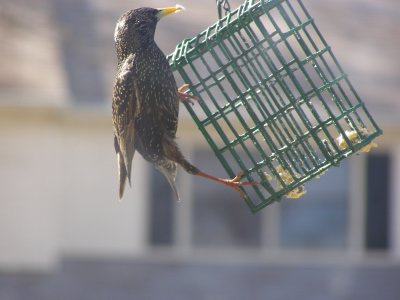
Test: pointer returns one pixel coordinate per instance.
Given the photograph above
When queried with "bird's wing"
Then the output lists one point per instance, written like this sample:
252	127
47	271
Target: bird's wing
125	106
171	107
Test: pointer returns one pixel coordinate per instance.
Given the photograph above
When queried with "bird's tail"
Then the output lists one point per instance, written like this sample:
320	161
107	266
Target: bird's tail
122	175
123	169
169	170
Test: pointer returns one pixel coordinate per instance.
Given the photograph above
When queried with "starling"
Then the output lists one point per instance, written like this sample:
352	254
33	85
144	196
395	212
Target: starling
145	103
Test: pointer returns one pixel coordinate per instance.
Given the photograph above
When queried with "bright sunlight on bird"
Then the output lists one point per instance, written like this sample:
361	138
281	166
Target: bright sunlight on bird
146	100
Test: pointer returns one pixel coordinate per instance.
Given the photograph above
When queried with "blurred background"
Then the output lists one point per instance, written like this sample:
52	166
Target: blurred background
64	235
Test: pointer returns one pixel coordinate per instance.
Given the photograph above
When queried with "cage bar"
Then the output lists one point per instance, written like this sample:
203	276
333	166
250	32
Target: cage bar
273	100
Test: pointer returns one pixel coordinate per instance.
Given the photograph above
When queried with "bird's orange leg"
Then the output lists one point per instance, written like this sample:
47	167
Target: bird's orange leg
185	98
233	183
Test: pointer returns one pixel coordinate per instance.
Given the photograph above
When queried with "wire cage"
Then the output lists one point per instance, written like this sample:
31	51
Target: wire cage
273	100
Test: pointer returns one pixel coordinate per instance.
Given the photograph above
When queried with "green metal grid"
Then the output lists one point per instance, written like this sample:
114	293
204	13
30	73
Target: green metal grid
271	93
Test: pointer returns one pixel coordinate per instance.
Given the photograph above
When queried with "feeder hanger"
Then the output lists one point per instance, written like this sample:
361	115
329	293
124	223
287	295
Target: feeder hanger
225	5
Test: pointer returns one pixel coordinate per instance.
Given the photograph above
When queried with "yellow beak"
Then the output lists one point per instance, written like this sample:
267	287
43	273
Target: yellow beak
169	10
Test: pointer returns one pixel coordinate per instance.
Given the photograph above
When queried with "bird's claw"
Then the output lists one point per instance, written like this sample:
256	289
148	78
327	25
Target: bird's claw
184	97
235	183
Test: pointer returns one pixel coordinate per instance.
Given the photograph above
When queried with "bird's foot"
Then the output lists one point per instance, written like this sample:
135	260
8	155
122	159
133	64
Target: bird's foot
234	183
184	97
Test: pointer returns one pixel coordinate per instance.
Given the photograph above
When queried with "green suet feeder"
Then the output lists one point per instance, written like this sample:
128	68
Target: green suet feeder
273	100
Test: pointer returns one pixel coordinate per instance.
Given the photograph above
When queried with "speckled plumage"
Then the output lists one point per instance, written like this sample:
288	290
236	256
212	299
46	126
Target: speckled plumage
145	102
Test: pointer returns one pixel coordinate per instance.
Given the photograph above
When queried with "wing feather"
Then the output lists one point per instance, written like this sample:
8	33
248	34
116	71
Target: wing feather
125	107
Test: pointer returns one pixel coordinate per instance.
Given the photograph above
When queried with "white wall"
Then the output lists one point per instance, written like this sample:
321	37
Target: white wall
29	194
58	191
94	221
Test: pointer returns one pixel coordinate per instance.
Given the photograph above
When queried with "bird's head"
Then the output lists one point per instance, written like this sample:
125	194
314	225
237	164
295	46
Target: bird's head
136	28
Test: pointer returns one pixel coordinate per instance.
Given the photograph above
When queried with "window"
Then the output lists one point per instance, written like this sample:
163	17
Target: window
333	215
377	218
319	218
220	217
162	212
